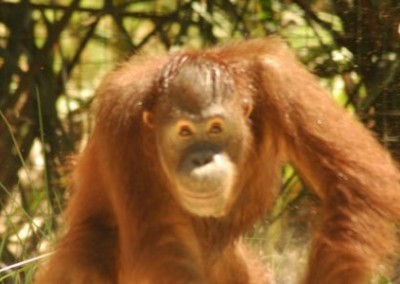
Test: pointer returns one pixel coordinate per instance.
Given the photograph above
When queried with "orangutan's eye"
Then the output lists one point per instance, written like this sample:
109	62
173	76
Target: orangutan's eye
215	126
185	128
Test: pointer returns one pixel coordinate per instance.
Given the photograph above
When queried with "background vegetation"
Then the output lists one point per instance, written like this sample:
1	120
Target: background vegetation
54	52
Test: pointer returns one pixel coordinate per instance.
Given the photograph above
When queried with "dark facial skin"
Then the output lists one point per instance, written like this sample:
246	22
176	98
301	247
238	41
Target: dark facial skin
199	129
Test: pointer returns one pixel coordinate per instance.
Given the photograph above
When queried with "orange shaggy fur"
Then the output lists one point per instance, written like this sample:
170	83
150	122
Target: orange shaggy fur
125	226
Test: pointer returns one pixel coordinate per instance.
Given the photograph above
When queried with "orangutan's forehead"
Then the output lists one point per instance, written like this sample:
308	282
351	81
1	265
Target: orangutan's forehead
196	84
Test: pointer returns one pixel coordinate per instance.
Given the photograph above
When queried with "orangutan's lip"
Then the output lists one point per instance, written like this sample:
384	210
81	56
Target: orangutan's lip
202	196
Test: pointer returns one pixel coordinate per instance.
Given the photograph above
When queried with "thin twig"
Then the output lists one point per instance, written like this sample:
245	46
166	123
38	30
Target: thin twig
24	262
